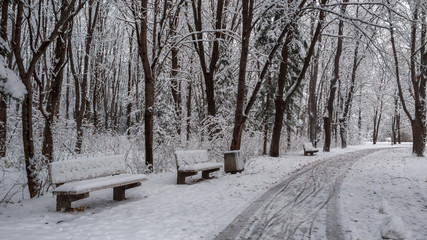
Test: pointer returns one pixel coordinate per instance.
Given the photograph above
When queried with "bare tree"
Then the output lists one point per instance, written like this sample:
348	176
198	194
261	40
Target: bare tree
418	83
81	84
26	70
54	93
247	15
333	84
3	105
208	69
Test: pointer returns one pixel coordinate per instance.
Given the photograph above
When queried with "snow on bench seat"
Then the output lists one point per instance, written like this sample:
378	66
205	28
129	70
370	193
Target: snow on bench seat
199	167
189	162
90	185
76	178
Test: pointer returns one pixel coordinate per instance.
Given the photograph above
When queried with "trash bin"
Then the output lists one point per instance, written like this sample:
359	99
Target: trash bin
233	162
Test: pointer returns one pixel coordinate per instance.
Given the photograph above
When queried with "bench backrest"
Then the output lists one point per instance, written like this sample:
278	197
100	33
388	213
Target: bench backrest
86	168
189	157
308	146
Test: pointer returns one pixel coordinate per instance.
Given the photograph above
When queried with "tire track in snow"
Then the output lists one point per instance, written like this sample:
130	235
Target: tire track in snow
304	206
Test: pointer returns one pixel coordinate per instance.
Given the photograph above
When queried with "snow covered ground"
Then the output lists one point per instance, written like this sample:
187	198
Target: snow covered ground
160	209
386	193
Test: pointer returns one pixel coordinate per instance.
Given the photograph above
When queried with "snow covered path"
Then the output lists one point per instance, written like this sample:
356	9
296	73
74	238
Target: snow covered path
303	206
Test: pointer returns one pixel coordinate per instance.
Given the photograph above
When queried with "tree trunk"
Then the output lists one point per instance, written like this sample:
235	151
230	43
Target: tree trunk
129	91
247	13
288	128
374	133
349	98
278	101
149	88
266	116
418	142
3	105
27	139
3	126
189	90
175	84
333	87
312	99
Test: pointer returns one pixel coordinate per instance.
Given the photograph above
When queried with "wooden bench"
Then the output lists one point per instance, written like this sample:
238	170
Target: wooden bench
76	178
309	149
190	162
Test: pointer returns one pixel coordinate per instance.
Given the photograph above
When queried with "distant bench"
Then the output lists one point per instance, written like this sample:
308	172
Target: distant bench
309	149
76	178
190	162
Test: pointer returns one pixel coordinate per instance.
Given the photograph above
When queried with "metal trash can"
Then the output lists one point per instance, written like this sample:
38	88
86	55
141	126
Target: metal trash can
233	162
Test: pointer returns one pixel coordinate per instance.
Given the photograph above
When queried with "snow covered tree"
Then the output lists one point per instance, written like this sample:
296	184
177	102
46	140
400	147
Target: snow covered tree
27	66
10	84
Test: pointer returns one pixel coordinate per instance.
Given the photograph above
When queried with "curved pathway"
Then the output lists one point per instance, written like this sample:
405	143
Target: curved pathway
304	206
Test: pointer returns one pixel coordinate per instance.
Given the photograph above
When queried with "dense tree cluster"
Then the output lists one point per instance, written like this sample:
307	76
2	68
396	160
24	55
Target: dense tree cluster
143	78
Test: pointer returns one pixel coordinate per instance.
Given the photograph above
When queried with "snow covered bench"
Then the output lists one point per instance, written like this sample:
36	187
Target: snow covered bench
190	162
309	149
76	178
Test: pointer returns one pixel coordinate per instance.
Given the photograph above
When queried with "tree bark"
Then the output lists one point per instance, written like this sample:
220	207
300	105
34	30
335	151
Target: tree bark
278	100
3	105
149	87
247	13
189	90
129	88
312	98
344	116
332	90
175	84
267	116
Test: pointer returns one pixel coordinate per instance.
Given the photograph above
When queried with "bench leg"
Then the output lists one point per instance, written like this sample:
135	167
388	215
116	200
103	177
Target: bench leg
305	153
205	174
182	175
64	201
119	193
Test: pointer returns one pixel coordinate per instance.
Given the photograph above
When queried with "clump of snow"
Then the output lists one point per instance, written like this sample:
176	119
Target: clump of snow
83	186
10	84
199	167
384	207
393	228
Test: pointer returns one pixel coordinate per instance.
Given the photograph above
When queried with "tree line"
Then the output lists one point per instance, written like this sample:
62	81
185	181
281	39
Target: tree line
174	72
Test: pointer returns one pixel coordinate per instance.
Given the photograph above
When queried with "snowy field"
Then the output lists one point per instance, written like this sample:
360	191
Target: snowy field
386	192
387	184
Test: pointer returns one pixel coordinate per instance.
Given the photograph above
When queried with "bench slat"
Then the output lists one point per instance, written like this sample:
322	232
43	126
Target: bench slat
90	185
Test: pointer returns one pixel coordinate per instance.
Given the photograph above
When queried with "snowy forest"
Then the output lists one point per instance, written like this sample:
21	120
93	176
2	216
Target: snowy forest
146	78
